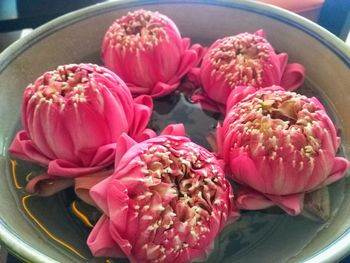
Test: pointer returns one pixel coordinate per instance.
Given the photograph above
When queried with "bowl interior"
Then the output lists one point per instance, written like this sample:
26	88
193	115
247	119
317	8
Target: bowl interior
44	229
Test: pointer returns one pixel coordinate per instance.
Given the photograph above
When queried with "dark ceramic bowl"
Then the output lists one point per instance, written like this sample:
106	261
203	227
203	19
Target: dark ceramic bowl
44	230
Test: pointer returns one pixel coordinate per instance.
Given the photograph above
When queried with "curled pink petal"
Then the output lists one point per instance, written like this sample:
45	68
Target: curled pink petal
293	76
238	94
292	204
172	207
45	185
104	155
23	148
125	142
249	199
190	58
142	114
206	103
162	89
281	144
63	168
260	33
340	167
101	242
174	129
146	49
194	76
83	184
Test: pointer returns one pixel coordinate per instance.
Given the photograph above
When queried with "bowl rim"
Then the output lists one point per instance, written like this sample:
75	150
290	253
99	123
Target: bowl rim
337	249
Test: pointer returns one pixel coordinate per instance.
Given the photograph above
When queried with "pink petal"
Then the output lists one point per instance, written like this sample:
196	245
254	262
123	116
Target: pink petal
142	113
145	135
219	140
46	185
23	148
194	76
59	167
174	129
83	184
104	155
98	194
249	199
137	90
293	76
118	205
292	204
260	33
200	50
238	94
161	89
39	127
283	61
244	171
125	142
206	103
190	58
340	167
100	241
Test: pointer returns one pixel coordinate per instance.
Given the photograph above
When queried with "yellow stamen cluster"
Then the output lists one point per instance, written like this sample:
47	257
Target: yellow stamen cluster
276	122
241	59
190	186
138	31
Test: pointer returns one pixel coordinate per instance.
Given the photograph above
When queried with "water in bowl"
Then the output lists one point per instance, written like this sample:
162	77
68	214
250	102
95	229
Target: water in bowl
65	222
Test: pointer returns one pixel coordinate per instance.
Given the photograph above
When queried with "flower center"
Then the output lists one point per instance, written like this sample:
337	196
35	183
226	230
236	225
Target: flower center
139	30
241	59
67	83
184	191
274	121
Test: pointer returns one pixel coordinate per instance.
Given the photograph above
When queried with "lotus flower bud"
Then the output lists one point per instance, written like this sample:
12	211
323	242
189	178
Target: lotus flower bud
281	144
166	202
244	60
146	50
73	116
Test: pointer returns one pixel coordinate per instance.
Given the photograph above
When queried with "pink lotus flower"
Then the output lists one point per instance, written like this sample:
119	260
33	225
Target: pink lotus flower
146	50
72	118
166	201
281	145
243	60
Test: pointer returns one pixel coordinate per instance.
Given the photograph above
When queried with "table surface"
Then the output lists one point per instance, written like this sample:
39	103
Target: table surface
18	15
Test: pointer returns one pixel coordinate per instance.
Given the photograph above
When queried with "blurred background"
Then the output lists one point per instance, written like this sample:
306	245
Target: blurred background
19	17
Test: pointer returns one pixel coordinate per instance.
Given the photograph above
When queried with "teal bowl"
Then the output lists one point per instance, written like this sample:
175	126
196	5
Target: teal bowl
44	230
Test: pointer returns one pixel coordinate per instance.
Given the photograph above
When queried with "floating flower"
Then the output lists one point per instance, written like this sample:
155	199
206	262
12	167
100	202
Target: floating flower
243	60
146	50
73	116
166	201
281	145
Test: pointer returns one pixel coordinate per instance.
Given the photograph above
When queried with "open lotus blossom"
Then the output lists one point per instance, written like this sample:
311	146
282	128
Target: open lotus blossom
242	60
146	50
281	145
72	118
166	201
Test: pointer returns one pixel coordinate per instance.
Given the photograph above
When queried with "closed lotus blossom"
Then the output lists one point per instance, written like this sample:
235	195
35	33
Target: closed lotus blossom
166	201
243	60
72	118
146	50
280	145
